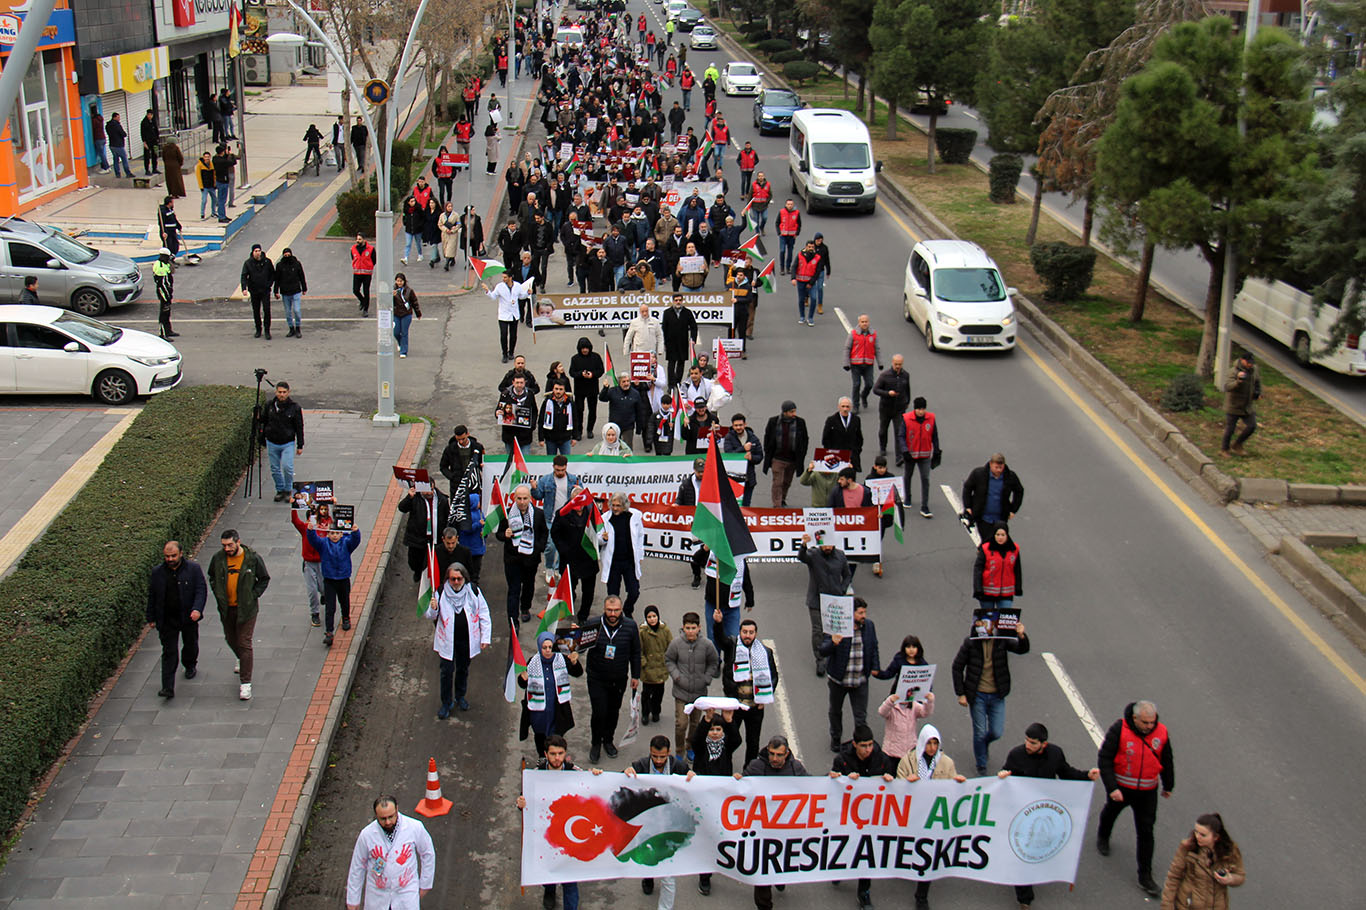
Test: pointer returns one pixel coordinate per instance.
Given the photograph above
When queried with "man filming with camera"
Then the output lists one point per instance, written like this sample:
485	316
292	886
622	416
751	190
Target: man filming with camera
282	433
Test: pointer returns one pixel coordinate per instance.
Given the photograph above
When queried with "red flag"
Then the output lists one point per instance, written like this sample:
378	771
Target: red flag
725	373
580	500
584	826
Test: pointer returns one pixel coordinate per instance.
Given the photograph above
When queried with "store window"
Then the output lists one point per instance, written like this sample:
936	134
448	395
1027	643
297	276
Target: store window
43	154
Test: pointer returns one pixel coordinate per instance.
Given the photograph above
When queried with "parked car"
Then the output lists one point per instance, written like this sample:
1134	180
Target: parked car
954	293
703	38
51	351
773	109
741	79
70	274
689	19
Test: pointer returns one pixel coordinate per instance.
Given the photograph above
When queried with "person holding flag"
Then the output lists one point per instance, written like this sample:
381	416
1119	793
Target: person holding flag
507	294
717	522
463	630
742	439
553	490
547	708
622	544
428	515
575	533
523	532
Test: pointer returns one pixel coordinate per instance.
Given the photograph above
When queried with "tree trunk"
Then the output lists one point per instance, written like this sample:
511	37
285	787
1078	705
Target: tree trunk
1204	360
1145	270
844	81
1034	212
862	84
1088	217
892	118
350	153
929	138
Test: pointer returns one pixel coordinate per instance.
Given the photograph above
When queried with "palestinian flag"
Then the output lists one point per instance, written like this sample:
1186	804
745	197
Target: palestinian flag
515	470
680	413
717	522
692	352
638	824
486	267
766	277
428	587
496	513
753	247
725	373
516	666
703	151
572	165
561	604
611	373
889	509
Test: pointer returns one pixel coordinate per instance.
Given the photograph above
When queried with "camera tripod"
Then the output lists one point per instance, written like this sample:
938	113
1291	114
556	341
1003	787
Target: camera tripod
255	472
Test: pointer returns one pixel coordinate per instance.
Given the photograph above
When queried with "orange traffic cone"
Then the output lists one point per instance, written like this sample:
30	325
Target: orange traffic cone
433	805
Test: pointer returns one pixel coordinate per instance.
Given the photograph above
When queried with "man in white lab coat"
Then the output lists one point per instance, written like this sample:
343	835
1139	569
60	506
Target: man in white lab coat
393	864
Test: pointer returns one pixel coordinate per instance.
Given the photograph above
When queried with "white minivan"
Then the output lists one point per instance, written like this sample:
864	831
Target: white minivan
954	293
1286	313
830	160
675	8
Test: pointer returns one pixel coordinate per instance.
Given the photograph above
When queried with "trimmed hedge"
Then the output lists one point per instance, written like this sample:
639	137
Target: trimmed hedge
356	211
77	598
773	46
955	145
799	71
787	56
1065	269
1004	176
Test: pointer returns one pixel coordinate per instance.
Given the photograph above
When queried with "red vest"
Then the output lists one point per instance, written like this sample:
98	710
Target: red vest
1138	763
720	133
998	578
760	192
863	348
502	63
919	435
686	80
806	268
363	263
471	92
650	40
463	131
749	160
789	221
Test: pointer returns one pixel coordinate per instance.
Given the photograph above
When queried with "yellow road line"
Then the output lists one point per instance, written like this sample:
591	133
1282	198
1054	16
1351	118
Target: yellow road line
36	519
1224	549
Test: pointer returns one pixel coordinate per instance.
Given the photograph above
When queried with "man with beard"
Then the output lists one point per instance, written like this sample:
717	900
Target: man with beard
393	863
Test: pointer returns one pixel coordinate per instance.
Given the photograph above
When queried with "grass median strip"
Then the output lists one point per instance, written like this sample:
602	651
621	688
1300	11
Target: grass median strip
1349	562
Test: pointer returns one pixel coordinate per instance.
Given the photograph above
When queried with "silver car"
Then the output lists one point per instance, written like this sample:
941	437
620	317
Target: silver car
703	38
70	274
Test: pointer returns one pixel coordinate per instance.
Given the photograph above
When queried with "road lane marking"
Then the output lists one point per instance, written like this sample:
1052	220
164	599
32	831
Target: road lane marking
28	528
784	712
844	320
1276	601
1069	688
957	507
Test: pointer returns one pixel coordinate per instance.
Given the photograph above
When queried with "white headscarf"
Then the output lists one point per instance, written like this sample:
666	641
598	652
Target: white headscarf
925	769
610	448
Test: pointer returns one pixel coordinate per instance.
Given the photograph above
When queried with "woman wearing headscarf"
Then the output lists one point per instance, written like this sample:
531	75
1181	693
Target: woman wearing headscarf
611	442
997	574
449	224
927	762
546	708
462	630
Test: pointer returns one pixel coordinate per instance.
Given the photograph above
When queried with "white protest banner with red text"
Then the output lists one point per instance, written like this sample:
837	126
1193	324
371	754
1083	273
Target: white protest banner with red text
785	830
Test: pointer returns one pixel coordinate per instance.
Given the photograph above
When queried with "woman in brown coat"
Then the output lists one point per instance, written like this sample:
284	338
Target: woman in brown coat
1206	865
174	161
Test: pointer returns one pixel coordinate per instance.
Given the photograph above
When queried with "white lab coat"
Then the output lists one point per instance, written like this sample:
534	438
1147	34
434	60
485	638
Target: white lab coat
637	543
476	613
390	874
506	297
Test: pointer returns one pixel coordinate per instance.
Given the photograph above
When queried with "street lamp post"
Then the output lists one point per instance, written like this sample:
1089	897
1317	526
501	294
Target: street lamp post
384	214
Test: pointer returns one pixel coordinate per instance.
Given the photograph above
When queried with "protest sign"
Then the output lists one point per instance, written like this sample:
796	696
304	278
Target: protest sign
915	682
641	371
997	622
787	830
837	614
820	524
308	493
645	478
832	461
692	265
569	639
732	346
878	487
616	309
343	517
416	477
777	533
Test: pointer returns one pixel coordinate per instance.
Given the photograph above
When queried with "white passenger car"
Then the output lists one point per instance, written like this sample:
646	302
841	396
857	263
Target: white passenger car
741	79
953	293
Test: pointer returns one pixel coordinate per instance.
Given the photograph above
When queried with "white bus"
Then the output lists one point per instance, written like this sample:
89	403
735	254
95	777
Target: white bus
1286	313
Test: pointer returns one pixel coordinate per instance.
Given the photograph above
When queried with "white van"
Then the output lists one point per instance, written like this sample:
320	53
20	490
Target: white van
675	8
830	160
1286	313
570	36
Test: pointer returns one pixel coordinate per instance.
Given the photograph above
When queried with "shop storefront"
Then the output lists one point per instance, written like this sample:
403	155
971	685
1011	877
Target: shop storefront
127	83
195	34
42	151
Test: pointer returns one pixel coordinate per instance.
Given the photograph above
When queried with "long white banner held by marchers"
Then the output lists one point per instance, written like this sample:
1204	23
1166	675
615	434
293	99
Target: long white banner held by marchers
783	830
646	478
777	533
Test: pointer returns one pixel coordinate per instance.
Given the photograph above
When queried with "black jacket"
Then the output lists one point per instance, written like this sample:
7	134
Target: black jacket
1109	748
967	666
116	134
835	436
724	766
891	381
194	592
281	423
590	363
800	442
289	276
975	491
461	554
877	762
761	768
725	646
564	711
624	406
680	329
676	765
258	275
540	534
1049	764
626	658
837	655
454	458
415	529
532	385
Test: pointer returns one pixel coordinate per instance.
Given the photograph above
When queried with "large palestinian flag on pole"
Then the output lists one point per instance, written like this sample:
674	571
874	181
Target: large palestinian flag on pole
486	268
717	522
516	666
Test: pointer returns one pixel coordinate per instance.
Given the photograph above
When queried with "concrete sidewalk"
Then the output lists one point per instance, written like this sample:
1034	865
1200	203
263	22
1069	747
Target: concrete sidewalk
196	801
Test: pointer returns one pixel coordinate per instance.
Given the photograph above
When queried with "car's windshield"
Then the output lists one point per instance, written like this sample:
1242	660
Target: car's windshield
741	69
72	251
87	329
839	155
968	285
781	98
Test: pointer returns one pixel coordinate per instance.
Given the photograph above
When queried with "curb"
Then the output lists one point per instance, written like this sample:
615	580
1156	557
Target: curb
315	744
1324	579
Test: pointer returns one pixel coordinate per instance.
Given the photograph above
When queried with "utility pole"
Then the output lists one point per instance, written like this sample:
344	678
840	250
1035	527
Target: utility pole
21	56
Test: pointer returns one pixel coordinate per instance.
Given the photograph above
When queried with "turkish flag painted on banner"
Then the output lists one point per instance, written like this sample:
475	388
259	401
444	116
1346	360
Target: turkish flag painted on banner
584	826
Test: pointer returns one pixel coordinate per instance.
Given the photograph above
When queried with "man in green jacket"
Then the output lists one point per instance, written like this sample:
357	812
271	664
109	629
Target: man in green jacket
238	578
1242	388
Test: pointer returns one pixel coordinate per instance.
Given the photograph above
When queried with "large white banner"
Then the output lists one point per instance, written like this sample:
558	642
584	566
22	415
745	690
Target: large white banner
616	309
783	830
777	532
646	478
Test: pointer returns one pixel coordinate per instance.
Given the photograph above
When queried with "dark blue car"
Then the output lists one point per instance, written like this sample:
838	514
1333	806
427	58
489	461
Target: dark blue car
773	109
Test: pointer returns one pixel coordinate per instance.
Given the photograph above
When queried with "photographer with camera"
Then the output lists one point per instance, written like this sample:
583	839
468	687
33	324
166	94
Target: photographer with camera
1242	388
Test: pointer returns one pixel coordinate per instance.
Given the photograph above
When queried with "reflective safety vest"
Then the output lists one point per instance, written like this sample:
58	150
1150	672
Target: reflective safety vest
760	192
720	133
806	268
789	221
502	63
1138	763
919	435
749	160
464	130
686	80
363	263
998	578
863	348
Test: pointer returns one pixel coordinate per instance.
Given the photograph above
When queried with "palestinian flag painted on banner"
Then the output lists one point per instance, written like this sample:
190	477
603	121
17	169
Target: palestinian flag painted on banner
496	513
725	373
717	521
516	665
428	587
561	605
639	825
889	509
766	277
611	373
491	268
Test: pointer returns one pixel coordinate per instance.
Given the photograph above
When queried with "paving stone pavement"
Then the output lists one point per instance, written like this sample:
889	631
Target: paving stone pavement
163	802
39	445
1287	519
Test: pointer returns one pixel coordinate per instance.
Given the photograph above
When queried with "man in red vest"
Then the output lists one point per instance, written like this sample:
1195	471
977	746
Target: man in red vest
748	159
804	270
861	351
920	449
789	226
1134	758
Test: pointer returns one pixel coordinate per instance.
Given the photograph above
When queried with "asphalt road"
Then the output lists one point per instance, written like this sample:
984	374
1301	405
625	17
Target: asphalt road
1136	586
